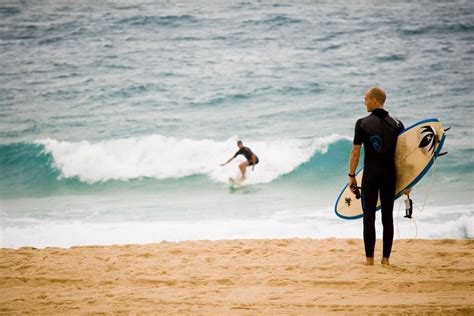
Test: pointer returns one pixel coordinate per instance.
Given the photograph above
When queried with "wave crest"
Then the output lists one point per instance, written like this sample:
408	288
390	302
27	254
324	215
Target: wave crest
163	157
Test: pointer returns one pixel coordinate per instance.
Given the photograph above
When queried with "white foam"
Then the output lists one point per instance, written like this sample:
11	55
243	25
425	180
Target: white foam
72	233
164	157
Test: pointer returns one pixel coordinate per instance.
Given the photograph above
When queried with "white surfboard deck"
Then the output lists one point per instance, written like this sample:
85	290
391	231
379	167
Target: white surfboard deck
417	148
236	183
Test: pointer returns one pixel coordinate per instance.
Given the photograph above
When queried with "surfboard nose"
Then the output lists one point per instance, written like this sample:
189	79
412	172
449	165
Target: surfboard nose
439	134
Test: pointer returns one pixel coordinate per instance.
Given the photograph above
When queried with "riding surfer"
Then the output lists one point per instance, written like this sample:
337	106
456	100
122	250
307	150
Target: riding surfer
252	159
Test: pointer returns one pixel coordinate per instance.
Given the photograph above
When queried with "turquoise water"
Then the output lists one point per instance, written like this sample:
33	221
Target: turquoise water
115	117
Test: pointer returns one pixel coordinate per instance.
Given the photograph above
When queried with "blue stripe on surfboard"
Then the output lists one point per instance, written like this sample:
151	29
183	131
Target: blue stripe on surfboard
415	181
337	201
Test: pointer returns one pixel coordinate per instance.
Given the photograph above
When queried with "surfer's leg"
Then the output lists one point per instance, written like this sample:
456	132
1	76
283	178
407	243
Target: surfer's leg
369	204
369	233
387	196
243	168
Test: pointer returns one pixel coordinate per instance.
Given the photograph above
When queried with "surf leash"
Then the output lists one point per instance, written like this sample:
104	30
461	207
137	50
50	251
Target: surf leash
409	203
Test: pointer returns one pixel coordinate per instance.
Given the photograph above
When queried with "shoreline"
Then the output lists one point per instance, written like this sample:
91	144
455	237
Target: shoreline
242	276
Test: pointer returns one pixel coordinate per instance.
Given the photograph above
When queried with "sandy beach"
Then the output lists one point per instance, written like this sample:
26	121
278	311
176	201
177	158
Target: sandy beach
287	276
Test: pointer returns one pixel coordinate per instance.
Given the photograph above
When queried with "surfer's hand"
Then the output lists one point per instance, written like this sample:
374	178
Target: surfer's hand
352	182
253	167
407	191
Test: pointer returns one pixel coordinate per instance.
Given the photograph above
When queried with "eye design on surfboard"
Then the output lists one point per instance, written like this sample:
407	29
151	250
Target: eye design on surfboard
427	139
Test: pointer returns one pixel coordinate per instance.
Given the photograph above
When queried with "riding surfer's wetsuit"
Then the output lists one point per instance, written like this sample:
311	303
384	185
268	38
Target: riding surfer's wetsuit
378	132
248	155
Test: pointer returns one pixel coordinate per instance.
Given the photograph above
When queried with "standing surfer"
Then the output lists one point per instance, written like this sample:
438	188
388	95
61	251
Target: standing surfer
252	159
378	132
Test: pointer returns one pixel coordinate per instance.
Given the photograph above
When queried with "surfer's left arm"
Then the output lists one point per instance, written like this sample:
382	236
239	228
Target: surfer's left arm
353	162
254	160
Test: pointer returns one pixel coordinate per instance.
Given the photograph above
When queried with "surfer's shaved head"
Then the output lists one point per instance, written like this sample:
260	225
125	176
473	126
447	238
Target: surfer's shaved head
374	98
378	94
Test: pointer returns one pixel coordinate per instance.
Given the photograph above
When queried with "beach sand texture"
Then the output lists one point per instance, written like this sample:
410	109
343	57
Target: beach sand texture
251	277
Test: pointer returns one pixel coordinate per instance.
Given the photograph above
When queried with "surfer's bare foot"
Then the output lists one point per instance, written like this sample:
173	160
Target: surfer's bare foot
370	261
385	261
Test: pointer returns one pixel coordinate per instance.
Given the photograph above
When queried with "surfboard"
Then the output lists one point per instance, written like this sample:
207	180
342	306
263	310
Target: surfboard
236	183
418	146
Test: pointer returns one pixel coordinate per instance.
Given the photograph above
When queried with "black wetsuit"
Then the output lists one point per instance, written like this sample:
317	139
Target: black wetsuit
248	155
378	132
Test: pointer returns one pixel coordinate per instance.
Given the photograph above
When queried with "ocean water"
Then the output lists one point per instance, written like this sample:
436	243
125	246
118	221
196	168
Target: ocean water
116	116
